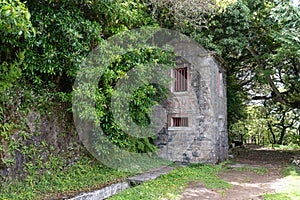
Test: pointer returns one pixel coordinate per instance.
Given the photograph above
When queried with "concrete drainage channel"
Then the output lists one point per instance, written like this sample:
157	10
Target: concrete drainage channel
116	188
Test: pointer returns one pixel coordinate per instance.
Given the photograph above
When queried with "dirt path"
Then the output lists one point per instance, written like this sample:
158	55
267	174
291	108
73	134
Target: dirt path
246	184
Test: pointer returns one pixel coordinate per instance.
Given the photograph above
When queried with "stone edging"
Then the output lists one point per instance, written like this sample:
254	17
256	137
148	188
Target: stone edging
116	188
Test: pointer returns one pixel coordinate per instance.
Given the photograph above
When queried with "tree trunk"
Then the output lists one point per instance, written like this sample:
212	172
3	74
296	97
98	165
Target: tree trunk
271	131
282	133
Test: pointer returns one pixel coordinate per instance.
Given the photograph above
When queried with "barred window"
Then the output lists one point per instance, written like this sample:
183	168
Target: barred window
180	121
180	83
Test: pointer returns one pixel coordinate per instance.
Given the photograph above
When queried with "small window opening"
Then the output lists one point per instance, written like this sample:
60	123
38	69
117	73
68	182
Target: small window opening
220	84
180	75
180	121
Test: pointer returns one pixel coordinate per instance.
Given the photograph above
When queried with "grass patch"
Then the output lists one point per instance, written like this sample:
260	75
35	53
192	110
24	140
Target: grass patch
171	185
277	197
84	175
291	189
257	170
291	170
227	162
290	147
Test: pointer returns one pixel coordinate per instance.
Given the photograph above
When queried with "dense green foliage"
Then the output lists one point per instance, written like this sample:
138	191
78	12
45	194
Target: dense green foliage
142	100
62	181
63	39
43	44
15	31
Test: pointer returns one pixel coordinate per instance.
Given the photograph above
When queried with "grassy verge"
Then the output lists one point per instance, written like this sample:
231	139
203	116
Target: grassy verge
84	175
171	185
291	189
257	170
290	147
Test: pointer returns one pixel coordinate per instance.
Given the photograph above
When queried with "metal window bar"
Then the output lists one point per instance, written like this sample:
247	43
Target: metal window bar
180	121
180	75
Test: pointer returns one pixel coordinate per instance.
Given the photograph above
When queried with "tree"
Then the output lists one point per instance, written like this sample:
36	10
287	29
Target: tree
287	57
15	31
180	14
282	123
253	128
268	124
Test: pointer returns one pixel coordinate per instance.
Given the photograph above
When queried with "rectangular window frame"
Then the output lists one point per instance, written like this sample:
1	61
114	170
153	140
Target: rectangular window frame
187	117
180	84
180	122
220	84
181	79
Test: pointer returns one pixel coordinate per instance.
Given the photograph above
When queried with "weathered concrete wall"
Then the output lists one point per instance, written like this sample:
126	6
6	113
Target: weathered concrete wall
204	103
219	110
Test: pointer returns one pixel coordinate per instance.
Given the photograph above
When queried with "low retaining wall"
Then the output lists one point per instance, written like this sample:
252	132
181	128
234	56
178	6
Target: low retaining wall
116	188
103	193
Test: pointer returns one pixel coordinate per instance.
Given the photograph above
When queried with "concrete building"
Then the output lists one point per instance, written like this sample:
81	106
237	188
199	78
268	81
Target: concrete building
195	129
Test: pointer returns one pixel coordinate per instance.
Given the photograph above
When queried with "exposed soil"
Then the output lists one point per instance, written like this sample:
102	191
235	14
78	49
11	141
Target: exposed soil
247	184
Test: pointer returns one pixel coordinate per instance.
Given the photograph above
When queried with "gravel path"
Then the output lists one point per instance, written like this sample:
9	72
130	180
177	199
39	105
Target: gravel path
246	184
